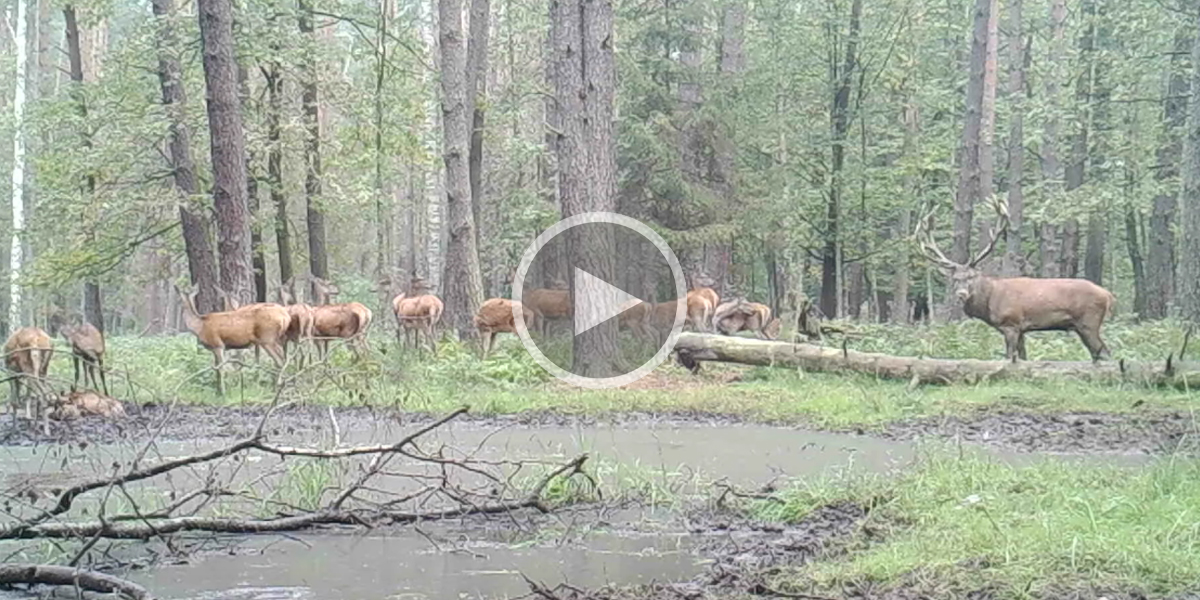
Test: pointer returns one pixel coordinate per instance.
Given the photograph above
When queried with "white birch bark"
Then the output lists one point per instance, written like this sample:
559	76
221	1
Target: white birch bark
18	171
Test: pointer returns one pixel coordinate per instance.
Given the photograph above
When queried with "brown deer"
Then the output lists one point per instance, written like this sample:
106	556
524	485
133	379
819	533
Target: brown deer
1017	305
262	326
27	357
417	314
300	328
87	348
347	321
650	321
739	315
701	303
496	316
548	304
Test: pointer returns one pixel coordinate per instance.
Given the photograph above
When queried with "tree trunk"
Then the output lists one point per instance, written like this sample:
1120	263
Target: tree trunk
1048	246
434	180
1160	253
283	237
694	347
92	308
1133	243
463	284
228	148
477	68
1189	199
258	259
318	257
831	284
16	264
1076	172
381	258
1013	254
718	253
196	230
585	86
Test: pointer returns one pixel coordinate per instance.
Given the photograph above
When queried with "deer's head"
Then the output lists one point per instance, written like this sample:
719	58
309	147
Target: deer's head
962	276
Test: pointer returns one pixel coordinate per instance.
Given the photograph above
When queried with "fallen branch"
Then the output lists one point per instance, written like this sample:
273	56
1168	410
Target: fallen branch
693	348
90	581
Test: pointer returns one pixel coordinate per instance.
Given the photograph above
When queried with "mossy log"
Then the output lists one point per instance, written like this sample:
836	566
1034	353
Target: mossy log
694	348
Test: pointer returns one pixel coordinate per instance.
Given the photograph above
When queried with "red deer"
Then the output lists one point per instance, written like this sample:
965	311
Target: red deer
87	348
79	404
739	315
1017	305
417	314
300	328
262	326
651	321
27	358
496	316
347	321
549	304
701	302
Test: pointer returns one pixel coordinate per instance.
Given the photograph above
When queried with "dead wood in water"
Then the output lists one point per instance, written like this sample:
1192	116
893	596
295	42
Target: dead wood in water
82	579
694	348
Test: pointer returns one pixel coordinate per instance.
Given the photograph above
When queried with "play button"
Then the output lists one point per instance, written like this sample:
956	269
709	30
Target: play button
597	301
625	302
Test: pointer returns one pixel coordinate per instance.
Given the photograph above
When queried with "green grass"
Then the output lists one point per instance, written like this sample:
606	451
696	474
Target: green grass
957	524
163	369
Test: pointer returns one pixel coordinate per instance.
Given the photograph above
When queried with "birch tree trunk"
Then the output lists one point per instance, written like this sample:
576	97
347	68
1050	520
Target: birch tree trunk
434	181
16	263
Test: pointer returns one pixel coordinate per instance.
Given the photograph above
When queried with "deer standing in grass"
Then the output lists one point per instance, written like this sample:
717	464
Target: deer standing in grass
417	314
300	329
27	357
495	316
87	350
261	326
1017	305
347	321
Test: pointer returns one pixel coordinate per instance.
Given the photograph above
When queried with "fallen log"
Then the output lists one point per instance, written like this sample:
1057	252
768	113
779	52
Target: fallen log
81	579
693	348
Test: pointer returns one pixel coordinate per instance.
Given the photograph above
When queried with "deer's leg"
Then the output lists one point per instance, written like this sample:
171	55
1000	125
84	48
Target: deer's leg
1012	337
1091	339
103	379
218	360
1021	347
75	379
14	388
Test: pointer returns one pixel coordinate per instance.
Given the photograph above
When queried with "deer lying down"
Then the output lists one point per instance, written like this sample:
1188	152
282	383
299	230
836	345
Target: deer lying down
496	316
79	404
27	357
1015	306
739	315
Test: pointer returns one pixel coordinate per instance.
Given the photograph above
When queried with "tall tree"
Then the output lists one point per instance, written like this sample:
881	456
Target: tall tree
92	308
1013	255
283	237
227	147
318	256
585	86
258	258
463	285
1049	247
16	263
1189	198
1160	242
975	161
477	69
196	228
832	298
381	70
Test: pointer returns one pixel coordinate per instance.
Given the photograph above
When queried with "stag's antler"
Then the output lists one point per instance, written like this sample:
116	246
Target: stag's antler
1001	208
924	237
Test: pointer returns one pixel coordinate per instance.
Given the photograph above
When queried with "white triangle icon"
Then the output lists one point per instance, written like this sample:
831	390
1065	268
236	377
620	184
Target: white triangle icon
597	301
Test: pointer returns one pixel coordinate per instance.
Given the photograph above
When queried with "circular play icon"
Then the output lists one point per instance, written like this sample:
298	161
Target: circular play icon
638	293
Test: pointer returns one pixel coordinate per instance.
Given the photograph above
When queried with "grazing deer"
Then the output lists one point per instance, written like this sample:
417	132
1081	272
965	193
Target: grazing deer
496	316
739	315
1017	305
417	314
701	303
650	321
549	303
261	325
87	347
347	321
27	358
300	328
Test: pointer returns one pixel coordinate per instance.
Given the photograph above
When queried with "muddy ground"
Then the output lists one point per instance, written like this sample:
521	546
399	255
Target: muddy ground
1147	432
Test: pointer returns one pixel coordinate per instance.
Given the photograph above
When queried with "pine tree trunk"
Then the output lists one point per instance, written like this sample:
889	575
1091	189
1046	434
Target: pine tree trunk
1076	173
318	257
92	309
1133	243
1049	242
585	86
1013	253
1189	199
196	229
258	259
1160	253
381	258
283	236
228	148
16	264
831	261
463	285
477	69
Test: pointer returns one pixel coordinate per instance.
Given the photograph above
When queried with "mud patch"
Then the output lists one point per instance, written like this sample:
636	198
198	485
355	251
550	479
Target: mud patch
1072	432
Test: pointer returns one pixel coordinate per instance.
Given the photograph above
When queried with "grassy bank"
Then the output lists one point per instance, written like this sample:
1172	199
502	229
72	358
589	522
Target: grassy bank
165	368
957	525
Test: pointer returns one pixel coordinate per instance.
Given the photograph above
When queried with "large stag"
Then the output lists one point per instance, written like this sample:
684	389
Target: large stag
1017	305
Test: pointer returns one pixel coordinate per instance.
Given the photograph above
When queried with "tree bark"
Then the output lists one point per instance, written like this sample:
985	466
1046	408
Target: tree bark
318	257
1076	172
197	242
283	236
258	258
585	86
463	283
16	263
228	148
694	347
92	308
1048	246
1189	198
381	258
477	69
1133	243
1013	254
1160	243
831	274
